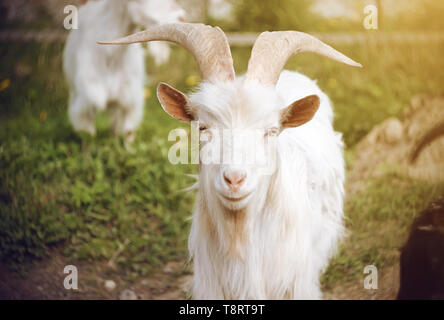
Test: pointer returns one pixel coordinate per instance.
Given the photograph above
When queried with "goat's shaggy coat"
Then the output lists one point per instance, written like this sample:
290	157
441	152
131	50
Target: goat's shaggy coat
256	234
278	246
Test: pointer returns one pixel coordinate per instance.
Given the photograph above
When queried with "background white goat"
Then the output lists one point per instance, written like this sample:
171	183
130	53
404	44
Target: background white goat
254	235
101	76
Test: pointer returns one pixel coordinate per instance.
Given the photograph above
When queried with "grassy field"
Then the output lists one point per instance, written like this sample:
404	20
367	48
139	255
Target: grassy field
92	199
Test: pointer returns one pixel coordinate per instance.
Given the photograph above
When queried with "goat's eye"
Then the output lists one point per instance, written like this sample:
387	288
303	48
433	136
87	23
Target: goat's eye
272	132
202	128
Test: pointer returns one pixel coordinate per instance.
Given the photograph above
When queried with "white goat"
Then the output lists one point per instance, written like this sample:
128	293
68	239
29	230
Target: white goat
253	235
103	76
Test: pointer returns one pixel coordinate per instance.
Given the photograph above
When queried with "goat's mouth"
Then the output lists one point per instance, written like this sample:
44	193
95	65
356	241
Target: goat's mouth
236	199
233	202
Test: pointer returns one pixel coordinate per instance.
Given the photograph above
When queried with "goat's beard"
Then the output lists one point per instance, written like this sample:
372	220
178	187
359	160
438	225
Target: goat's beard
232	221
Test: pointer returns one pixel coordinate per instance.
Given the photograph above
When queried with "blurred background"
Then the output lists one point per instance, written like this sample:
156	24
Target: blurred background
122	218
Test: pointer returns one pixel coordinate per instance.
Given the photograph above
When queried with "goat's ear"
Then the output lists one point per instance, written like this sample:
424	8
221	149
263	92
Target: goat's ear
299	112
174	102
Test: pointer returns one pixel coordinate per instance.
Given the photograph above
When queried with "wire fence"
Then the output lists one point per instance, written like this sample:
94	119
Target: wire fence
246	39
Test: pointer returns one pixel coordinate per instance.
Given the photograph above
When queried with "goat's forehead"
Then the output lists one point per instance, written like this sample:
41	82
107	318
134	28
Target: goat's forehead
234	103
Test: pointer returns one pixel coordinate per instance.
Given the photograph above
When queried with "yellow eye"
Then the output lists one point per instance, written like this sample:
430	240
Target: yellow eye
202	128
272	132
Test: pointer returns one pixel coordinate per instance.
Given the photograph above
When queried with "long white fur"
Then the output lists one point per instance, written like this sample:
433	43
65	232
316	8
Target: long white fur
289	230
109	76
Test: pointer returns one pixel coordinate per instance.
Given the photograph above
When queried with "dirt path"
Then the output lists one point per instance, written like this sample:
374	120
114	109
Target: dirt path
388	286
45	281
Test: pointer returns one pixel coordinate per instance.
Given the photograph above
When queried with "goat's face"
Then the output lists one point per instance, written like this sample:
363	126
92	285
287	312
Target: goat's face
239	126
238	118
149	12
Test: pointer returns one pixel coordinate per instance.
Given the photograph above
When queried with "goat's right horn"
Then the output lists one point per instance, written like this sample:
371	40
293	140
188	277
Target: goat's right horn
271	51
207	44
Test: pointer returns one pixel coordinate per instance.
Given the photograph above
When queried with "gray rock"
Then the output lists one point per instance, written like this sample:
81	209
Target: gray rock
128	294
110	285
393	130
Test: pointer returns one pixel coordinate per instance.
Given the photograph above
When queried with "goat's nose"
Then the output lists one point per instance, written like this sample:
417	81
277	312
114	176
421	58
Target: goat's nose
234	179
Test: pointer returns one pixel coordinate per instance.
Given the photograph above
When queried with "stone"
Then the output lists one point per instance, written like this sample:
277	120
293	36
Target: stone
128	294
393	130
110	285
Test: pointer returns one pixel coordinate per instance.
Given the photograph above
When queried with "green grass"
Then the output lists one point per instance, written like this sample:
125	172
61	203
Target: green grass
91	199
378	221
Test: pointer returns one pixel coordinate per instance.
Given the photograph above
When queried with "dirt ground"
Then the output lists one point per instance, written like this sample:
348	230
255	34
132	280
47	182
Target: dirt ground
45	282
395	141
388	286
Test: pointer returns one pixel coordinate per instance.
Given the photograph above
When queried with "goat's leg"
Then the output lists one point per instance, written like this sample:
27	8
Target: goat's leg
82	116
117	114
127	117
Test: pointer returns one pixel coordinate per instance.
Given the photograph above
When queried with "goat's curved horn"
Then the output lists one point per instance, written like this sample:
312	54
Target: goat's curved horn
271	51
207	44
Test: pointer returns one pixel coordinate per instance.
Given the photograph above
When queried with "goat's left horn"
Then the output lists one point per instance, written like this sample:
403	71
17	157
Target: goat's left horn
271	51
207	44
